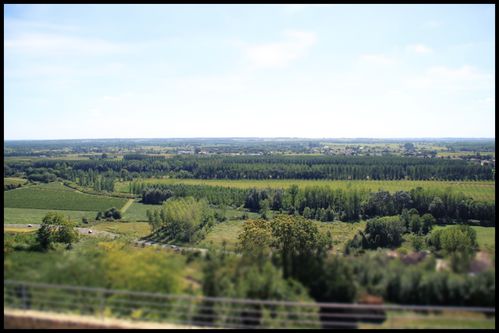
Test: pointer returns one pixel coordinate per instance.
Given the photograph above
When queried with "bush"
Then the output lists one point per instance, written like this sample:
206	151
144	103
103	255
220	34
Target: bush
110	214
384	232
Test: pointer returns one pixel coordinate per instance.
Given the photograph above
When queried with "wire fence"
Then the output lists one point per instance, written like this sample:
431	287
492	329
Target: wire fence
236	313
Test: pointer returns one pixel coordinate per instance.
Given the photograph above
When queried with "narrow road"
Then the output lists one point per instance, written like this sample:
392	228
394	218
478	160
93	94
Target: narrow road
143	243
126	206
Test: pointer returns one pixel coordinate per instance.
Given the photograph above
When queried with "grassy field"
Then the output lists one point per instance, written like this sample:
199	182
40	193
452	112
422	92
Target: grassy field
14	181
486	237
480	190
137	211
133	229
33	216
228	231
235	214
446	319
341	232
59	197
223	232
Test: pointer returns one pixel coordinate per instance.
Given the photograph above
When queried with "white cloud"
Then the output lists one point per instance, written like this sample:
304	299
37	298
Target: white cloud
377	58
419	48
446	78
280	54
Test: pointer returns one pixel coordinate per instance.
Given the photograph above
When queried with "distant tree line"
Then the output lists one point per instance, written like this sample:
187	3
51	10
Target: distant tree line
266	167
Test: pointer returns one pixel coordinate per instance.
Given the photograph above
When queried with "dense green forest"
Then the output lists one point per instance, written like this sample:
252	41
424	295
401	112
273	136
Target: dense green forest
257	167
325	204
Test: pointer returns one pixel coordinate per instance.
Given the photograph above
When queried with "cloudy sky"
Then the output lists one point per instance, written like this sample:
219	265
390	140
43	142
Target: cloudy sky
162	71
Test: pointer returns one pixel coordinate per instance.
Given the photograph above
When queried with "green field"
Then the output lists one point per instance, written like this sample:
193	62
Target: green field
341	232
14	181
59	197
486	237
137	211
479	190
27	215
223	232
228	232
236	214
134	229
444	319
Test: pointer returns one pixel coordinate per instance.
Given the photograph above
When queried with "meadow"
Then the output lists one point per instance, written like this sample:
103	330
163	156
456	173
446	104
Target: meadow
479	190
227	233
137	211
14	181
56	196
33	216
132	229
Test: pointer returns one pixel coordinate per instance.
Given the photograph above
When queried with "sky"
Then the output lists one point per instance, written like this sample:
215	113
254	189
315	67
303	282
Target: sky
310	71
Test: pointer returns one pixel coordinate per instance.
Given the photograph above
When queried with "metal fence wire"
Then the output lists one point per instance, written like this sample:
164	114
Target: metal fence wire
236	313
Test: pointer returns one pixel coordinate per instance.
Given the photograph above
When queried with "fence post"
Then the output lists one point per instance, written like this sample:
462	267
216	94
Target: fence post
101	305
24	297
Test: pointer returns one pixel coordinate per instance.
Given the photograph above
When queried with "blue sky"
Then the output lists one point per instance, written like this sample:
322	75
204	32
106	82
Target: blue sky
159	71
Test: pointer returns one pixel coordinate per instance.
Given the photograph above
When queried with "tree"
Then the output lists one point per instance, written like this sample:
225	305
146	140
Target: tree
239	277
415	224
458	242
402	200
384	232
300	246
56	228
417	242
336	282
307	213
437	208
182	218
427	223
255	239
409	146
264	208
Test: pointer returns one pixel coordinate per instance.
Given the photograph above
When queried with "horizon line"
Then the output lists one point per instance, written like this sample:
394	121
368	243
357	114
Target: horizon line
260	137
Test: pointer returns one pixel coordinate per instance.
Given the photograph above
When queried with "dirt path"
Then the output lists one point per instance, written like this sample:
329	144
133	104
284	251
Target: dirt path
126	206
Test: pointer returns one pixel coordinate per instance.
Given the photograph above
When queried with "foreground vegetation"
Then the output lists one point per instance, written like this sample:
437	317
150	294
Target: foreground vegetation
327	235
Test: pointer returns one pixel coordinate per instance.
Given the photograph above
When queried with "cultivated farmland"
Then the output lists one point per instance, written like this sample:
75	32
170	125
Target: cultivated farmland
479	190
137	211
27	215
57	196
14	181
